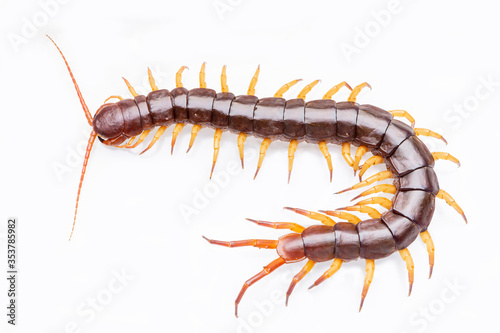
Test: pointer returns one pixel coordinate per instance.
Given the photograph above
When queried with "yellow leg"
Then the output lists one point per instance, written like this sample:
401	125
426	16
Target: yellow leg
428	132
426	238
405	254
203	83
241	144
158	133
329	94
263	148
178	76
306	269
130	88
356	91
336	264
177	129
442	194
151	79
312	215
217	137
372	212
141	139
370	180
405	114
223	80
370	162
113	96
384	202
328	158
342	215
194	132
307	89
346	153
445	156
284	88
357	158
370	269
291	155
384	188
253	82
279	225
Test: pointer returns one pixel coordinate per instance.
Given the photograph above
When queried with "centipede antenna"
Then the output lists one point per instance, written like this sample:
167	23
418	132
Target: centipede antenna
88	115
90	143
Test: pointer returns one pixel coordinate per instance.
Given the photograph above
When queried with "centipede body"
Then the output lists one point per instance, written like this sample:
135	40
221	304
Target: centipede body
319	122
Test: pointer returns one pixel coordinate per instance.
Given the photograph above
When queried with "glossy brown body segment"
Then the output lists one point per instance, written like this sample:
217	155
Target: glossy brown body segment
293	120
241	114
375	239
319	242
268	117
347	245
320	118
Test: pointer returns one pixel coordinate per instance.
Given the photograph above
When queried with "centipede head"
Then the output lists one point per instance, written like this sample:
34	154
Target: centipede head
108	124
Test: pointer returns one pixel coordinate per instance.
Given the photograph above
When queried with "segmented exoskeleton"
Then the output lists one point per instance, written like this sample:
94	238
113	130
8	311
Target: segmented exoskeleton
319	122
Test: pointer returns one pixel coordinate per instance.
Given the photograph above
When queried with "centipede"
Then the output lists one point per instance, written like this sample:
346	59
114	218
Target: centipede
409	163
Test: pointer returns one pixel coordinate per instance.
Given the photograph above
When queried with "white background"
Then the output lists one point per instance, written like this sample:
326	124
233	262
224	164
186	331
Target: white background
430	58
